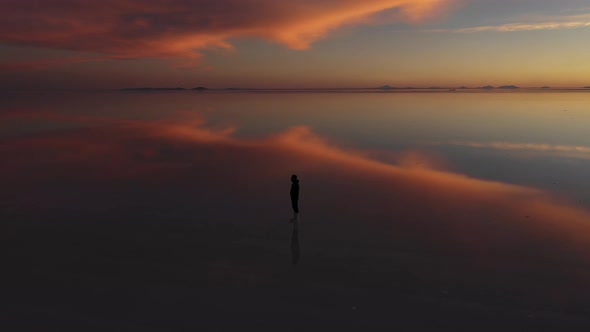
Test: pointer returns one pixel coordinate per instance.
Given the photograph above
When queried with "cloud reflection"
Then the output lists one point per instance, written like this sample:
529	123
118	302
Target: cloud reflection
571	151
133	162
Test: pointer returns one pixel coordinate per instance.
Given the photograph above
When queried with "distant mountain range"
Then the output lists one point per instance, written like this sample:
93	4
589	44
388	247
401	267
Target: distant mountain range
383	87
487	87
200	88
388	87
503	87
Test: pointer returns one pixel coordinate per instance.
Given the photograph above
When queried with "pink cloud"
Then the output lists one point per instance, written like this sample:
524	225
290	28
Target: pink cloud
180	28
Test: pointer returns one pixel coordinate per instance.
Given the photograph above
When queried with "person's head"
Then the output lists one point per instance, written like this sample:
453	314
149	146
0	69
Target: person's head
293	178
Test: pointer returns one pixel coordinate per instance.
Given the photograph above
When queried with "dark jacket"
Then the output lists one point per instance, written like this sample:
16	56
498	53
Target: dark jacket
295	190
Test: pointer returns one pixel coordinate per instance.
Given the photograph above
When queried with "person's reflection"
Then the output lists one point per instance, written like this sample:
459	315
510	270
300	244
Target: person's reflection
295	243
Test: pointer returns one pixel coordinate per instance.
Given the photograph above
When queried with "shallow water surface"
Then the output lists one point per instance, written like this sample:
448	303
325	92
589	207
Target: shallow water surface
172	209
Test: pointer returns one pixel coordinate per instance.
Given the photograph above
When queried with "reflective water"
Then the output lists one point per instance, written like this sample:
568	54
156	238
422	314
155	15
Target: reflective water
453	203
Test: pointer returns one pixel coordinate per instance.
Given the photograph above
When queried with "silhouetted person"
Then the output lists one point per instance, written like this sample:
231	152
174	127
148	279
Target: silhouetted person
295	194
295	243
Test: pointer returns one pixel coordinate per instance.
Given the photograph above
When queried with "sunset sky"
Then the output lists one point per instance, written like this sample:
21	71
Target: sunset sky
73	44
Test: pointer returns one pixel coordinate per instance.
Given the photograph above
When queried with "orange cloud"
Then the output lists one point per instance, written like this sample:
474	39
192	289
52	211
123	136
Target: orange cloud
180	28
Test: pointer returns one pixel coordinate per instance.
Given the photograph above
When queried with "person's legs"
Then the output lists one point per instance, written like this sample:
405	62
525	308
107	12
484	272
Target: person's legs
295	205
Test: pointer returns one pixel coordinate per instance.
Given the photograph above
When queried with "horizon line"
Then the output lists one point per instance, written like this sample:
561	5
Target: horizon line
382	88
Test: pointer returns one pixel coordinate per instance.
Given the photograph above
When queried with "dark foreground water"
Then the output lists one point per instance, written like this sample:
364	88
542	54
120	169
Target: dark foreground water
171	211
